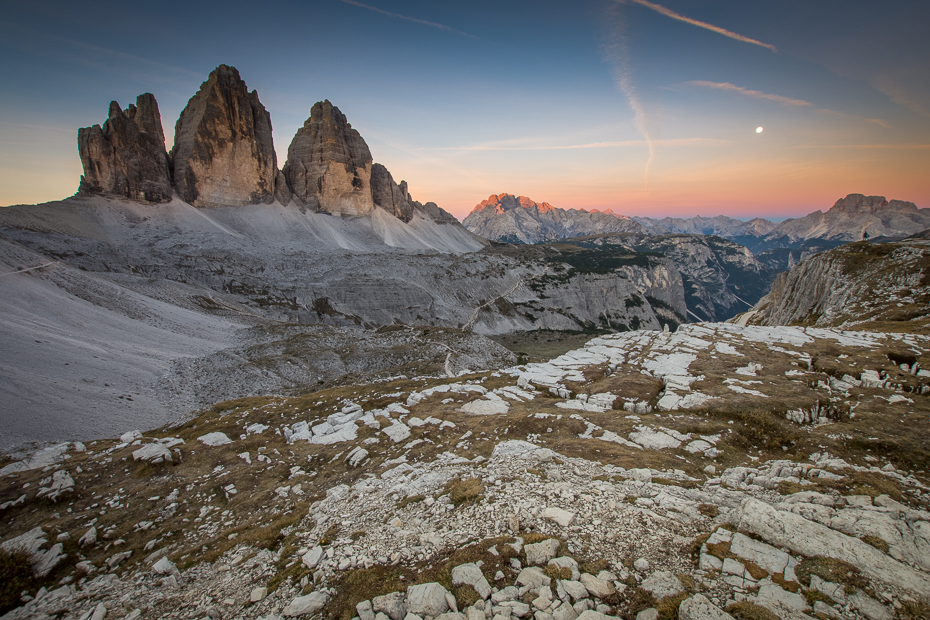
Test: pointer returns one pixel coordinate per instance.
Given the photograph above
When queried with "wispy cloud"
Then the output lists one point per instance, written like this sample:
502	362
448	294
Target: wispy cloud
103	51
758	94
590	145
912	146
618	53
694	22
408	18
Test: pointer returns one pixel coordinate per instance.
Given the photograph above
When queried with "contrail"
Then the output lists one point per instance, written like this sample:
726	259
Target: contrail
619	55
670	13
758	94
589	145
408	18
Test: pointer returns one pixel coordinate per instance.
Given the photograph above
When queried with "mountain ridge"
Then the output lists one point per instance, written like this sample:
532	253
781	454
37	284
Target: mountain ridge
517	219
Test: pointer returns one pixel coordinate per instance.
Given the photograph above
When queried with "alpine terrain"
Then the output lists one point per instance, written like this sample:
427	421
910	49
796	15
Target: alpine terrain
239	389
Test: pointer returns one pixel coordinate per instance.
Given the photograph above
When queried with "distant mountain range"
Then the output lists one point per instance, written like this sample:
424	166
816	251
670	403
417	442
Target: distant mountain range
517	219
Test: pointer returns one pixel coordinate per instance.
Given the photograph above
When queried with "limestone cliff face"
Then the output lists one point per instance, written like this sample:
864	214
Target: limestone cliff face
223	153
329	166
390	196
126	157
851	284
720	277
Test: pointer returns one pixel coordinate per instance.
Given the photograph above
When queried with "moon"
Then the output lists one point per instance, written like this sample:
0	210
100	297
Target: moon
758	130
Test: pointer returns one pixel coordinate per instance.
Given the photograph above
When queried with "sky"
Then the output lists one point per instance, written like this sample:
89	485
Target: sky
642	107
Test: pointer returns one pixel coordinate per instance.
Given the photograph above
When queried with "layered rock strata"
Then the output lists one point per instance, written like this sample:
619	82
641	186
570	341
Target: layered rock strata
223	153
126	156
329	166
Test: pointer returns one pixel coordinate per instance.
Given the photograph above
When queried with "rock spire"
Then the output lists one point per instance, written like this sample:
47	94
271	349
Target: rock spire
329	166
126	156
223	153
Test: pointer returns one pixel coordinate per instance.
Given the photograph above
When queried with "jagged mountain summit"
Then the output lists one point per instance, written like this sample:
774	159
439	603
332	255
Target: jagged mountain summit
223	152
126	157
850	219
520	220
720	225
329	165
224	156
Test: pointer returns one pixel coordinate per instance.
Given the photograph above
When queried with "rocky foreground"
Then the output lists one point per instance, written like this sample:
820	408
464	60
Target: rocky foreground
718	471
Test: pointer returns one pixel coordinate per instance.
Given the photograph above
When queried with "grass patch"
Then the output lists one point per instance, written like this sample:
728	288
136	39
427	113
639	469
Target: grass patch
744	610
594	567
915	610
668	606
558	572
694	548
464	491
329	536
413	499
831	569
465	595
685	484
639	600
876	542
15	577
708	510
791	586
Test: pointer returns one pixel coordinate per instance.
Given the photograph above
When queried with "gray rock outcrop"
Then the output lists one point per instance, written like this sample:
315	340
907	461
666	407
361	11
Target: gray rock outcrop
223	153
390	196
850	284
126	156
786	529
329	166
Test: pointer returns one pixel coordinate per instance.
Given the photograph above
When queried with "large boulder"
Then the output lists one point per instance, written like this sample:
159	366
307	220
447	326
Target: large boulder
809	538
329	165
223	153
427	599
698	607
126	157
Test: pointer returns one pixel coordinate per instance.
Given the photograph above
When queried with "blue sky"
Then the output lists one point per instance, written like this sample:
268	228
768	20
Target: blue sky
646	108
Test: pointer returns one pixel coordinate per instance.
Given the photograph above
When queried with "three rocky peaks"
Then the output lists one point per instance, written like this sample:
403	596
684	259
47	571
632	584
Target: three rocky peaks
223	155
